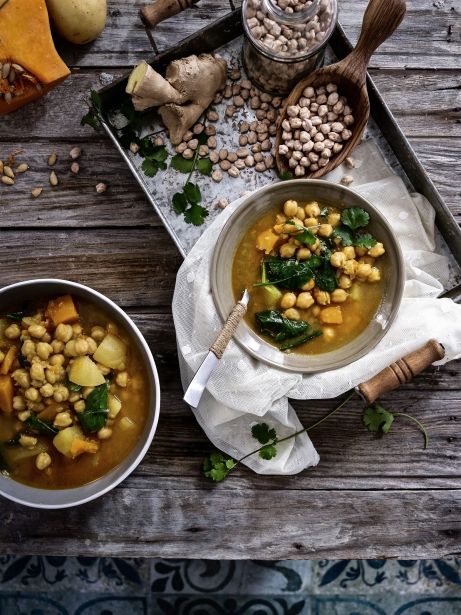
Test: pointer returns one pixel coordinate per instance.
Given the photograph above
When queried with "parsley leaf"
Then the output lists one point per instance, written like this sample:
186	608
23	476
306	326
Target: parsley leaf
263	433
325	277
268	452
354	217
216	467
192	193
364	240
196	214
181	164
285	176
149	167
377	419
205	166
344	234
179	202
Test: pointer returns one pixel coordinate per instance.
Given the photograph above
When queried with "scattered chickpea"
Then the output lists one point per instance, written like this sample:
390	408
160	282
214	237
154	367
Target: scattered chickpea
62	419
292	314
79	406
37	331
63	333
304	300
339	295
13	332
42	461
288	300
27	441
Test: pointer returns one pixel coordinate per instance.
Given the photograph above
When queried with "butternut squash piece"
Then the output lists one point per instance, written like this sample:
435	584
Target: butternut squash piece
62	310
6	393
8	361
25	40
78	447
331	315
266	241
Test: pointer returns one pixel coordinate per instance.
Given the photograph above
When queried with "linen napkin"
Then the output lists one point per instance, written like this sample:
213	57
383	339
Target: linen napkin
243	391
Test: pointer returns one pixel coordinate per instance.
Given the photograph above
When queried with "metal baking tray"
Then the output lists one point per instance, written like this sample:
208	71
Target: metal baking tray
225	38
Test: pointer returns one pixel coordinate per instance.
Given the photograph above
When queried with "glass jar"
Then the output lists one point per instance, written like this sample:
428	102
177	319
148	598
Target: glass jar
285	39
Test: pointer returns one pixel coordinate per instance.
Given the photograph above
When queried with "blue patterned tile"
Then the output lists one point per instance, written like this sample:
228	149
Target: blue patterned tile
431	606
346	606
378	576
231	605
229	577
113	605
20	604
70	603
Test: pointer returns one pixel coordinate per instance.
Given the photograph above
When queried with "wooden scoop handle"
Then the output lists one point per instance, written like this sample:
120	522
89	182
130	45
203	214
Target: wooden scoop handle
401	371
152	14
381	18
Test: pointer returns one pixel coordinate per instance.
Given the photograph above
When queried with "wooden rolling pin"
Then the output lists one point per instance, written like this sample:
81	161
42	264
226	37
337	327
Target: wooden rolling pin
401	371
152	14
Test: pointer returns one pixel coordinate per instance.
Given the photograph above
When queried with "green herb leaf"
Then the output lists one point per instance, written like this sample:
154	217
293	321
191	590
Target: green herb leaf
301	339
196	214
277	326
95	99
285	176
159	154
134	117
263	433
202	138
96	409
75	388
364	240
23	362
192	193
128	136
181	164
205	166
217	467
344	234
325	277
305	236
268	452
179	202
16	316
377	419
149	167
354	217
39	426
290	273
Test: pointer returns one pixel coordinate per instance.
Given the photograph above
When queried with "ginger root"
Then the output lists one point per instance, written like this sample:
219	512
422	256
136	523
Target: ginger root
187	89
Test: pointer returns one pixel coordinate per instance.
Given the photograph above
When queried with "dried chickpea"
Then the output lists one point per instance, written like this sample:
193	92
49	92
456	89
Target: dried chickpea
339	295
303	254
292	314
122	379
31	394
290	208
287	250
19	403
81	347
349	252
308	285
322	297
104	433
44	350
63	419
337	259
47	390
37	372
27	441
334	219
344	282
42	461
304	300
363	271
63	333
350	267
288	300
312	209
12	332
377	250
325	230
374	275
37	331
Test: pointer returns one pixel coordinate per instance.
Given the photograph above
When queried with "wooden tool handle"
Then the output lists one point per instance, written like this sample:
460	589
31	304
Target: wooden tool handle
401	371
219	345
381	19
152	14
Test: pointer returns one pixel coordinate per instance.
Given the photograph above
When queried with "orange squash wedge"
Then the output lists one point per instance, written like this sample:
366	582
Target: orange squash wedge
30	64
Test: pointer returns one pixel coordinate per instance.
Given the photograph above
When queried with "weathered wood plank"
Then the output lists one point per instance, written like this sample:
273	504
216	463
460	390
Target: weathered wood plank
166	520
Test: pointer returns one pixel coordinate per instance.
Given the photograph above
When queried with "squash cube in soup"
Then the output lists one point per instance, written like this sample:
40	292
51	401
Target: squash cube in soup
266	241
62	310
6	393
71	442
8	361
331	315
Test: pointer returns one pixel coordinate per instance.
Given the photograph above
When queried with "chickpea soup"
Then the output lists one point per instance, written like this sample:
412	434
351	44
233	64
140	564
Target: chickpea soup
315	275
74	394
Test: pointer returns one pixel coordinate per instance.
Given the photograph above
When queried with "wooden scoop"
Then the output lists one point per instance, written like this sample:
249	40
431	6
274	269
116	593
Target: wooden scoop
154	13
381	18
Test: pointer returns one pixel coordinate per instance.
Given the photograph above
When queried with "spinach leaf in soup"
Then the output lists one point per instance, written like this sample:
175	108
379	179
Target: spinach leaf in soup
325	277
277	326
94	417
305	236
39	426
290	273
300	339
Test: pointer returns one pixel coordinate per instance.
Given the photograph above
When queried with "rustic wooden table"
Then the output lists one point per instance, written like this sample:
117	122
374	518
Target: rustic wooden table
366	498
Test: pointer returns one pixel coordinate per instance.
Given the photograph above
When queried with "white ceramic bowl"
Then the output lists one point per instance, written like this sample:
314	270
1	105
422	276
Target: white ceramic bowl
64	498
251	209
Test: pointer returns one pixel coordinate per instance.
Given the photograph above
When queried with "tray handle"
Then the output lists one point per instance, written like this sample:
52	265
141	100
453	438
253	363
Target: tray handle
401	371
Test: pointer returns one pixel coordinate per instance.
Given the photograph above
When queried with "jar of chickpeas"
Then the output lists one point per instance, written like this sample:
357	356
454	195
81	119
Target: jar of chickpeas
285	40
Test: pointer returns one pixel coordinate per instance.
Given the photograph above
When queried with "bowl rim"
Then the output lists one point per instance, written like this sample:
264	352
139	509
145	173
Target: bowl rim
233	217
78	501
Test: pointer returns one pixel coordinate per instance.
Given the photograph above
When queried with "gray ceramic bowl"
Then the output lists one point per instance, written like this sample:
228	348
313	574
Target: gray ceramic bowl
63	498
250	210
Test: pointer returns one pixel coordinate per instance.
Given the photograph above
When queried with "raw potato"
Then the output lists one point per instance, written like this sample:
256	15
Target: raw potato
78	21
85	372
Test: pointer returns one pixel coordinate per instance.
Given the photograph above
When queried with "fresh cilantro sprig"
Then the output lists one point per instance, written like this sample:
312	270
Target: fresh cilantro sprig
93	117
379	420
354	218
305	236
188	201
268	436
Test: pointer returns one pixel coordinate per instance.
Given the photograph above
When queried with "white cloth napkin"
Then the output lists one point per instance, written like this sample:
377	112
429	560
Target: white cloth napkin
243	391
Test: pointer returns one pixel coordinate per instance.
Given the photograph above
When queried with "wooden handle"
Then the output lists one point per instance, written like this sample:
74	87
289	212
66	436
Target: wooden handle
401	371
219	345
152	14
381	19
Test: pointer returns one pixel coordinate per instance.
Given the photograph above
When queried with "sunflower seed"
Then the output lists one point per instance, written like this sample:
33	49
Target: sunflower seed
22	168
6	70
8	171
36	192
54	181
52	159
7	180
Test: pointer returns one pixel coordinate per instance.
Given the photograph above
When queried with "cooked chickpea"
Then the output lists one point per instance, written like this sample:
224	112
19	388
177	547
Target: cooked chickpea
112	328
2	356
308	285
363	271
57	359
79	406
47	390
303	254
36	331
22	378
42	461
61	393
349	252
374	275
334	219
337	259
92	345
27	441
287	250
377	250
350	268
328	333
13	332
344	282
31	394
104	433
311	222
44	350
57	346
360	251
339	295
291	313
325	230
304	300
122	379
368	260
322	297
63	333
300	214
19	403
81	347
77	329
69	349
294	242
24	415
51	376
37	372
312	209
63	419
288	300
280	218
73	397
290	208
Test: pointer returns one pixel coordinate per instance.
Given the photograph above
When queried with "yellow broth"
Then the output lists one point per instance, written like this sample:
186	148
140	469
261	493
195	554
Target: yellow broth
65	472
357	312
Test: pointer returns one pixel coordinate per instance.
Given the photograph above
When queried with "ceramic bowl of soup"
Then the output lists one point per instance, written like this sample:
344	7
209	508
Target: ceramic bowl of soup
324	270
79	394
